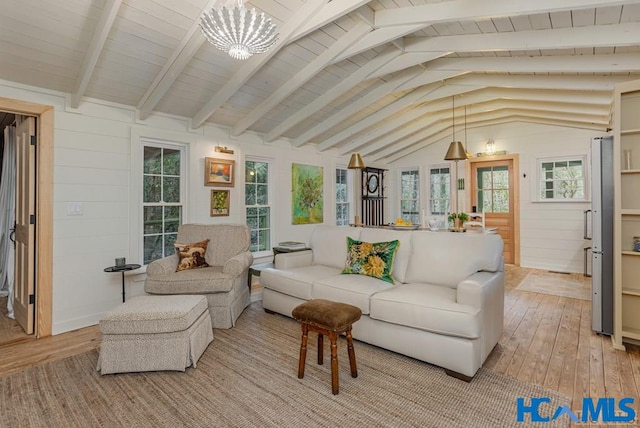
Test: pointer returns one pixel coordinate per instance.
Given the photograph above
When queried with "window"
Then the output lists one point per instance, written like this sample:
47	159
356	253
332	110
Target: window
562	179
439	190
410	196
257	205
493	189
343	206
162	198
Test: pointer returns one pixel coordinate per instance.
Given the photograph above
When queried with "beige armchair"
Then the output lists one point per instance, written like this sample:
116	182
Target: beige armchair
224	282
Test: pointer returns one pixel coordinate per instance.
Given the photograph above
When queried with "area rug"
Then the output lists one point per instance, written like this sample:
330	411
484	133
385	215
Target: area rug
248	378
556	285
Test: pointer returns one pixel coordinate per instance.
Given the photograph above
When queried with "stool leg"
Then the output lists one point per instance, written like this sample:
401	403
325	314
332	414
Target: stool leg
320	348
352	354
333	337
303	350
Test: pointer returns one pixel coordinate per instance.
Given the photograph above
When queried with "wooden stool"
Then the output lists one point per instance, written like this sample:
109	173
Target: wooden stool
327	318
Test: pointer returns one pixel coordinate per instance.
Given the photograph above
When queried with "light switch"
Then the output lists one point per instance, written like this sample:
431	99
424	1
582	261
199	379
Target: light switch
74	208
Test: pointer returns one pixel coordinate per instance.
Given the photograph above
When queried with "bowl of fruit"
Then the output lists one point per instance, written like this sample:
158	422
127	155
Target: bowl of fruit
401	224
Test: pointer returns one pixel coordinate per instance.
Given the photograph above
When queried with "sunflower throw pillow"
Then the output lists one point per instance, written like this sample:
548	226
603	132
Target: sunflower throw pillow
371	259
191	256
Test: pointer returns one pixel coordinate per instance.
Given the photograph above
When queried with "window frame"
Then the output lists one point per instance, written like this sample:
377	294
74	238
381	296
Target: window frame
417	220
428	191
349	200
585	178
136	212
271	202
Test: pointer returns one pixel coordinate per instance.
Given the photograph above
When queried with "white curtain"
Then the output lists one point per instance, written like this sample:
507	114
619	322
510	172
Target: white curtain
7	216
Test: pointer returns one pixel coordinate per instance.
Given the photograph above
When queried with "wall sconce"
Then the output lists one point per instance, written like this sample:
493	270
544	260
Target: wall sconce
224	149
491	147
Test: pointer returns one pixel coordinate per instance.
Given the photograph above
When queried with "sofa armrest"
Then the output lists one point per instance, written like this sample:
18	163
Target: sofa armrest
294	260
485	290
238	264
480	287
162	266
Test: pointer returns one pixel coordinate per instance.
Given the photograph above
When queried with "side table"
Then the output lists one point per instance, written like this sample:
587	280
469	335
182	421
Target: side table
278	250
122	269
256	270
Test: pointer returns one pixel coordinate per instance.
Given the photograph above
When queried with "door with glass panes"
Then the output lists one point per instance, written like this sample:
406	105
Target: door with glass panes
492	192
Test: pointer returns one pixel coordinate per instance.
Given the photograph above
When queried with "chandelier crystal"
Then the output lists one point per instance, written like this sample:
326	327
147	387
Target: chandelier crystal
240	32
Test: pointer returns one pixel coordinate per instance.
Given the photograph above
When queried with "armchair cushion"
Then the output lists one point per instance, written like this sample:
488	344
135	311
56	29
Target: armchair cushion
191	256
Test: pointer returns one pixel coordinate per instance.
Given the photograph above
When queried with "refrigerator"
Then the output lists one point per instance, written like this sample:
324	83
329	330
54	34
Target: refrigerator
598	230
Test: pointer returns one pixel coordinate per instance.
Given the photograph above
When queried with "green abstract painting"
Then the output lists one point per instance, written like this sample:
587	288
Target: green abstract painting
307	199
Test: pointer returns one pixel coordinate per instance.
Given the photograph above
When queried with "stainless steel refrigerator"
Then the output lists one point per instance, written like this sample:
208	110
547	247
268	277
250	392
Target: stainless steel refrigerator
598	229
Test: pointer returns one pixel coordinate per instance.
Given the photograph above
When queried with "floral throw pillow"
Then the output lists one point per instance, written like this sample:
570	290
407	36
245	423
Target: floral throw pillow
191	256
371	259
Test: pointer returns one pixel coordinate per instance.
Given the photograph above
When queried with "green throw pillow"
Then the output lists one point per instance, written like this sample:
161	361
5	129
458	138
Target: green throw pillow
371	259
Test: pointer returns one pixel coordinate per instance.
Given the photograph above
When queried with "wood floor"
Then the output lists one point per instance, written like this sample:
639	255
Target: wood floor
547	341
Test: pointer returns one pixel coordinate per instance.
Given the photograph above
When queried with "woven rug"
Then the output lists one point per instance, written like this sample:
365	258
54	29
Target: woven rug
556	285
248	378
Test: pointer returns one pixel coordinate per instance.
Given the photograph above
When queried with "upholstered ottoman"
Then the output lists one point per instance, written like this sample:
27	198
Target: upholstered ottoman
149	333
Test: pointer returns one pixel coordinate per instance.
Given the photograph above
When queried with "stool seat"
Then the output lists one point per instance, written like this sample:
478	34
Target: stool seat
327	314
327	318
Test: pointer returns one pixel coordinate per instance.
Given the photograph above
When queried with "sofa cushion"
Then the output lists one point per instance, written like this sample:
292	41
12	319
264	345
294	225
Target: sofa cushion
329	244
403	254
191	256
193	281
355	290
373	259
445	258
427	307
296	282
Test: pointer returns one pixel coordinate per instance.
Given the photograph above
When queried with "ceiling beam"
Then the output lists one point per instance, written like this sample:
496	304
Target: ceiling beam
332	11
372	96
253	64
179	59
99	37
557	81
344	86
625	34
464	10
302	77
416	141
423	117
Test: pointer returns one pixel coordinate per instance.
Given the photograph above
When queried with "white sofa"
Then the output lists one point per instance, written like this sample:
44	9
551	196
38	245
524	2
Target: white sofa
446	307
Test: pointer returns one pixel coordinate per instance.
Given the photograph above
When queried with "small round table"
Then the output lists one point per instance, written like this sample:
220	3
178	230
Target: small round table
122	269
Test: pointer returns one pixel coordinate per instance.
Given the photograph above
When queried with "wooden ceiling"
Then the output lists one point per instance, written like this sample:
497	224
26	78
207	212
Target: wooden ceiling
376	76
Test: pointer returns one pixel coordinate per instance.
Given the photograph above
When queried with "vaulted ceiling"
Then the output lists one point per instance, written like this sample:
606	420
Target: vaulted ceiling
376	76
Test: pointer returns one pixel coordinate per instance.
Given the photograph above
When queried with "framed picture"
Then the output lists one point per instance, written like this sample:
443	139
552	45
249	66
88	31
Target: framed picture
219	172
307	198
219	203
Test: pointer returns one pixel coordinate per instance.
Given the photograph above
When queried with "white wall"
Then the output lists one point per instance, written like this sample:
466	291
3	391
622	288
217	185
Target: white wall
93	149
550	233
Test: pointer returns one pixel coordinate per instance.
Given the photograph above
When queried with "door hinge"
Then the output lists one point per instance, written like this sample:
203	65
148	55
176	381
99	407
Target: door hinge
33	140
32	219
32	299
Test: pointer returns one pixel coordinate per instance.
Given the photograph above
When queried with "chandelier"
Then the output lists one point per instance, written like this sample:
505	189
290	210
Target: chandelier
240	32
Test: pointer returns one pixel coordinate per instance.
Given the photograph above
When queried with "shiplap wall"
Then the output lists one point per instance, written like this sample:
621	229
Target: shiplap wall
92	165
551	234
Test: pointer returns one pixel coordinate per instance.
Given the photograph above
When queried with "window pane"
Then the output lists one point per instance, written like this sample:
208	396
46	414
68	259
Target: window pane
250	194
500	201
152	188
169	240
171	189
485	201
172	219
501	177
484	178
262	172
152	248
152	158
262	196
171	162
152	220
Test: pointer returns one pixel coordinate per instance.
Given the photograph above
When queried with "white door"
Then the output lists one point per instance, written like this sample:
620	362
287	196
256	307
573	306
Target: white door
24	280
